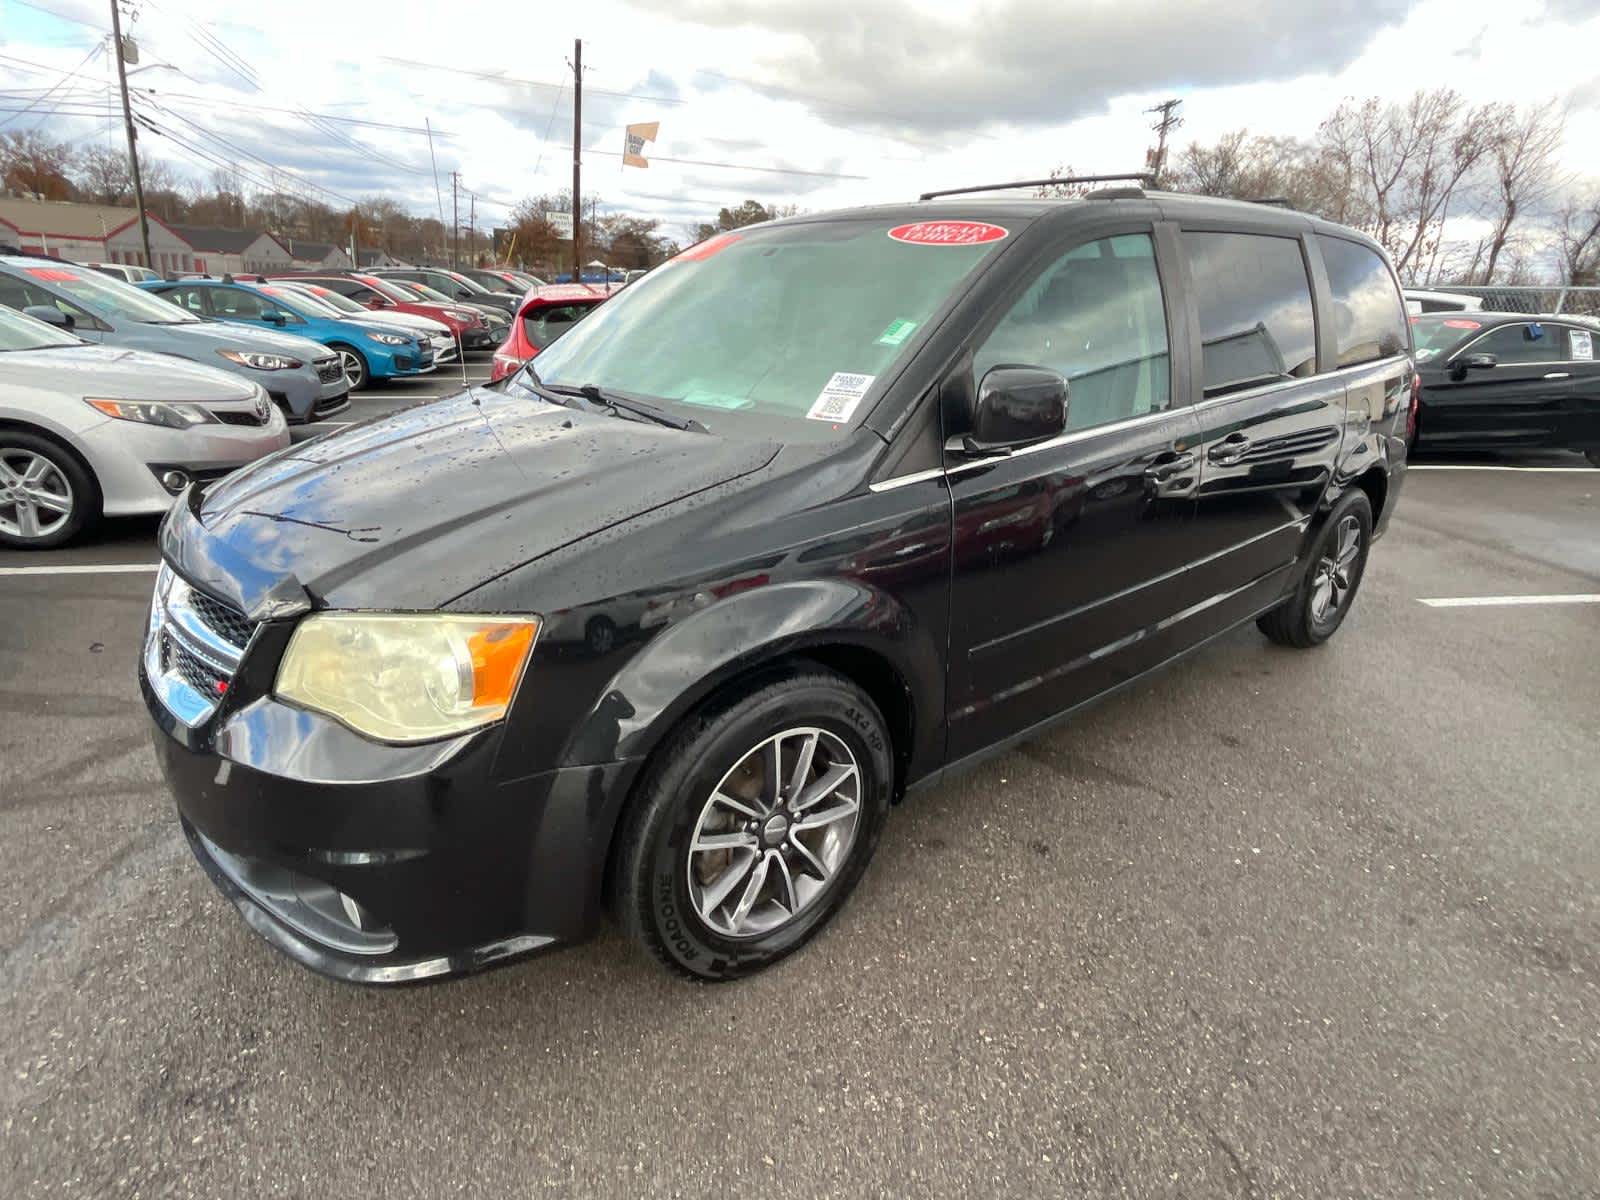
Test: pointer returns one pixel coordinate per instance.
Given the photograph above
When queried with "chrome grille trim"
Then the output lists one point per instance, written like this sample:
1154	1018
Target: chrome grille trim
182	650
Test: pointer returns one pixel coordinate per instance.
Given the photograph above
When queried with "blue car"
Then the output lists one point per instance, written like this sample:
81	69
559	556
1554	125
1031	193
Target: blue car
365	353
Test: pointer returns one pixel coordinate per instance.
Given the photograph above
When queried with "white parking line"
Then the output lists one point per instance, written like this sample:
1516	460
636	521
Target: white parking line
1486	467
1493	601
85	569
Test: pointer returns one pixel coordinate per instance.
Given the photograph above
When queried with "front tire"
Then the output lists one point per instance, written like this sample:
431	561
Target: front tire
46	496
1330	579
755	824
354	365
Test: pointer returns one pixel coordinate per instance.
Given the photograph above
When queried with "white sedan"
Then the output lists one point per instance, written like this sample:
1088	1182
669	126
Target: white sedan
89	430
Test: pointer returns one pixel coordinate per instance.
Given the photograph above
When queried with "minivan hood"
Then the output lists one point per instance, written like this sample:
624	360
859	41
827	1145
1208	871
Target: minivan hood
411	510
115	374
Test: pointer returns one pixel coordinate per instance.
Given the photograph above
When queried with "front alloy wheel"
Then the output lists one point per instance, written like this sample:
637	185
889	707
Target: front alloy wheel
45	496
354	368
774	832
754	823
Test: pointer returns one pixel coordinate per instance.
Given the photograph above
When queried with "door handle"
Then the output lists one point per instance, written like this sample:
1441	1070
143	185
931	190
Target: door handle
1229	450
1164	470
1559	375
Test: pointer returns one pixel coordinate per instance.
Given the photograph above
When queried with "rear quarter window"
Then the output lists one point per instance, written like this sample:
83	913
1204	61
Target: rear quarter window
1369	315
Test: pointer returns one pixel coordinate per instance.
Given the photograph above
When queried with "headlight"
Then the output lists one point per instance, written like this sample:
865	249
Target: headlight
406	677
389	339
261	362
152	412
461	314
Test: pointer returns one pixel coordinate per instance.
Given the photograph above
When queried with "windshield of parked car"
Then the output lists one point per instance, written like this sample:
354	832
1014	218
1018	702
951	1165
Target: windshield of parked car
332	300
1436	336
421	291
18	331
108	298
472	285
786	328
301	304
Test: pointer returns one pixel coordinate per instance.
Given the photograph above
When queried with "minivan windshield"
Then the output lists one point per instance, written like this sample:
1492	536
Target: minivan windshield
784	328
108	298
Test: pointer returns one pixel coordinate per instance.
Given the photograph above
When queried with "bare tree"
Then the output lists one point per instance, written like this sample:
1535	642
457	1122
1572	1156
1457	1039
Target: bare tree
102	175
34	165
1522	158
1579	239
1405	163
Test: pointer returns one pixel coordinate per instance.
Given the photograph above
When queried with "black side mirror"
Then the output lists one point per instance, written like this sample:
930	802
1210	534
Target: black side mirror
273	317
50	315
1472	362
1016	407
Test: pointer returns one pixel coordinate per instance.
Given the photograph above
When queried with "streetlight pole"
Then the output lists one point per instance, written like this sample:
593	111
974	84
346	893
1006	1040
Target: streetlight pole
127	121
577	160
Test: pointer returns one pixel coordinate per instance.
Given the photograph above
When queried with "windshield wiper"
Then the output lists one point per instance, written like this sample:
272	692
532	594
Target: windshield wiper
616	401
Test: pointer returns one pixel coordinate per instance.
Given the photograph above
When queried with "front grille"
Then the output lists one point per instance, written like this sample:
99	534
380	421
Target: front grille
329	370
194	670
223	618
193	647
333	404
248	417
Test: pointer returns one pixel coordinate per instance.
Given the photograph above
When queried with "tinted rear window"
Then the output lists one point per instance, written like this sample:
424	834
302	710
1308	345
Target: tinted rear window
544	325
1254	297
1369	316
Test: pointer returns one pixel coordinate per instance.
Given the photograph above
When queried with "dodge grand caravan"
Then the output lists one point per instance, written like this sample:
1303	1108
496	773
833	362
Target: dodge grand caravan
798	524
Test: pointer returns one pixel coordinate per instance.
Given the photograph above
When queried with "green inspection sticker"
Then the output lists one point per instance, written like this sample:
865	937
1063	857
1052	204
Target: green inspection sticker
897	332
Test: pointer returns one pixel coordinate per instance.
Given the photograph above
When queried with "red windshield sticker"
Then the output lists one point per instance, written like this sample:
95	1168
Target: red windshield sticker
947	233
1459	324
707	248
52	274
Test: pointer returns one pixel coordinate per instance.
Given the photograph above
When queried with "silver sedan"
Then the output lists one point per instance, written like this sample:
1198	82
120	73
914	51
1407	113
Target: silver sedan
87	430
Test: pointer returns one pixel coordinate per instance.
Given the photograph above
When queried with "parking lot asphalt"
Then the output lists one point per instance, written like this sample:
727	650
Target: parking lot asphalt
1275	923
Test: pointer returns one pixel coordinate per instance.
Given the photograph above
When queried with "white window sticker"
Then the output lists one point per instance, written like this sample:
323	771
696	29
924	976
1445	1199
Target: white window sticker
1582	345
840	397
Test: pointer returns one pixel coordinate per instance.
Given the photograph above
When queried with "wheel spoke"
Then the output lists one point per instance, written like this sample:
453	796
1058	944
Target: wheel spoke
7	475
802	767
733	802
37	470
825	785
27	519
818	867
738	840
752	889
827	816
791	900
55	503
771	780
718	891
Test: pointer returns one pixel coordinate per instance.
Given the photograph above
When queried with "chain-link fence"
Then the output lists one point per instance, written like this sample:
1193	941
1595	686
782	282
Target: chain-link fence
1574	301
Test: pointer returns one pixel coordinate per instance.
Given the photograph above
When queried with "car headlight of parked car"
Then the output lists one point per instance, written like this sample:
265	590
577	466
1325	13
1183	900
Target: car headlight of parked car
461	314
406	677
260	361
389	339
154	412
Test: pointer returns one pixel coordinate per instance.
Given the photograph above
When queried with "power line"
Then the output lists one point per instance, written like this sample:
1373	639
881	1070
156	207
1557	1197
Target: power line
63	16
93	50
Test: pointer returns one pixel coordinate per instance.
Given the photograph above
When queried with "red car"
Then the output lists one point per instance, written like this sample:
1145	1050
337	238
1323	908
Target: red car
544	315
377	294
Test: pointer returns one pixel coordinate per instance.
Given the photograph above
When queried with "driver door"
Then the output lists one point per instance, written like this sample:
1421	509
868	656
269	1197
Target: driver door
1069	555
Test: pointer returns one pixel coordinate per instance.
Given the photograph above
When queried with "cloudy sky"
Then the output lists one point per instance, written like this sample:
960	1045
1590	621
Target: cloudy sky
815	102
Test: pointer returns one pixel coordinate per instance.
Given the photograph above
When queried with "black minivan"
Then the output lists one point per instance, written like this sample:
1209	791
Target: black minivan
809	517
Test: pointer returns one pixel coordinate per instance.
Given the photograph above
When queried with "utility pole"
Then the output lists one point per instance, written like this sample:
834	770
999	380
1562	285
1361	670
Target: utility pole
577	160
127	121
1169	120
472	227
455	220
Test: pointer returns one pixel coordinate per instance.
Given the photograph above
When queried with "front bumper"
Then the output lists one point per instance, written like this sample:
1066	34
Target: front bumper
386	864
129	459
478	339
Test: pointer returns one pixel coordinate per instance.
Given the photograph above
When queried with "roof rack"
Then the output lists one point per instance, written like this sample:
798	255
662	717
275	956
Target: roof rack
1145	178
1275	201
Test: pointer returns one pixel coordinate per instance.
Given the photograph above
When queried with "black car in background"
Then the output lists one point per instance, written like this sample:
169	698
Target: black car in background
453	285
1508	381
810	517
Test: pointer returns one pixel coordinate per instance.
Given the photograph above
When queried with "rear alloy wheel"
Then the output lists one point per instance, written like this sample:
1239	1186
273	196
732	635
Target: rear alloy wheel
46	497
354	366
755	825
1331	577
